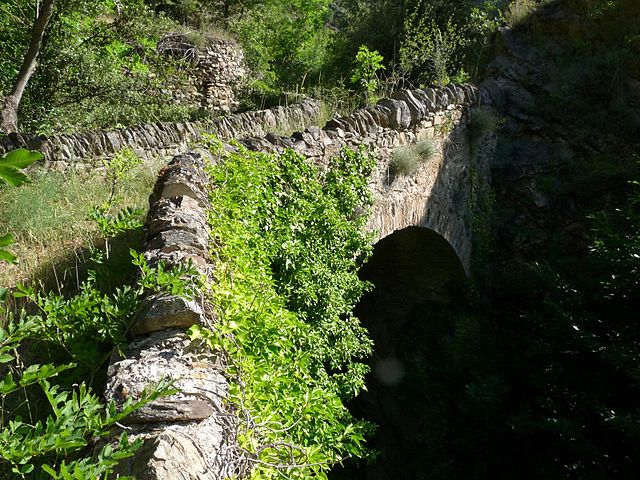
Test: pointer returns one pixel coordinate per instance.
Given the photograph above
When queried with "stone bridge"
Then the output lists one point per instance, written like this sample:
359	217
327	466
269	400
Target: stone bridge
428	209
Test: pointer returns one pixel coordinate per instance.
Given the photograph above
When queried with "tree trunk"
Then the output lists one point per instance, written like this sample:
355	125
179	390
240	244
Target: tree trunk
11	103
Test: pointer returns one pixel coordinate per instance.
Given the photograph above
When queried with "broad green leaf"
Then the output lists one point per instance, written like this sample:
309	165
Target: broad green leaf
12	177
26	468
5	358
7	256
11	164
20	158
7	385
6	240
49	470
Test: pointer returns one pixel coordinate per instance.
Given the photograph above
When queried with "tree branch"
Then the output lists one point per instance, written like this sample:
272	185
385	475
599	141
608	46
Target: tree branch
10	105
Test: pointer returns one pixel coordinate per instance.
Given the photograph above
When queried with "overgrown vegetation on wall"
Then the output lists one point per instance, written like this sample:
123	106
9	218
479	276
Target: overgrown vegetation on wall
289	242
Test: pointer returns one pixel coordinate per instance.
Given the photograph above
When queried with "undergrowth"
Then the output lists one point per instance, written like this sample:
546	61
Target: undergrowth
49	218
289	243
54	350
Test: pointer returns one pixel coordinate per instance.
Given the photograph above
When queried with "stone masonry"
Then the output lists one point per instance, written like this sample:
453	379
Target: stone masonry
187	436
215	72
162	139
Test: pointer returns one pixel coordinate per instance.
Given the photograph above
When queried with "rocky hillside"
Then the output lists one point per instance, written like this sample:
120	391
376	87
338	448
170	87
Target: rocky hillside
567	84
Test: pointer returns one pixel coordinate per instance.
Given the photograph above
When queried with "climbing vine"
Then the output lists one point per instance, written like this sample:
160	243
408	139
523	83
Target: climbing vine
289	242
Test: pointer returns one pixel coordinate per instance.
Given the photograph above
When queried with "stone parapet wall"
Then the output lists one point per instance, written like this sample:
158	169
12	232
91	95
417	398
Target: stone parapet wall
188	435
157	139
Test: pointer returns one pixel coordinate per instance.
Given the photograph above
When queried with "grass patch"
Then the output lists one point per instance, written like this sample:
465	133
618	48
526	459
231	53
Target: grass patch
406	160
519	11
49	219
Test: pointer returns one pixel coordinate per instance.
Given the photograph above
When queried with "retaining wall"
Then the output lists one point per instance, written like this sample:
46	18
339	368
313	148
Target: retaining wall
161	139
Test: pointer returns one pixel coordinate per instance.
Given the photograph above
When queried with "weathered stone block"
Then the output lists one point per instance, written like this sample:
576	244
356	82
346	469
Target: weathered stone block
417	108
166	410
399	113
162	311
168	456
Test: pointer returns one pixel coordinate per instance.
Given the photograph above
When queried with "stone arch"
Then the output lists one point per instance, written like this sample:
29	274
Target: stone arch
416	263
411	268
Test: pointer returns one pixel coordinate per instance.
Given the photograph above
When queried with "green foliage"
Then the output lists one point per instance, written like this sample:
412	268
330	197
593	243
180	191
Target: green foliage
285	41
367	65
616	249
182	280
423	41
406	160
98	68
90	323
6	256
13	162
86	326
428	49
78	420
111	224
289	244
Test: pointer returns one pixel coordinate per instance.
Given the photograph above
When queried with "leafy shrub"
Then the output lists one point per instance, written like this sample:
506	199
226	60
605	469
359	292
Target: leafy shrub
289	244
78	420
284	42
99	66
367	64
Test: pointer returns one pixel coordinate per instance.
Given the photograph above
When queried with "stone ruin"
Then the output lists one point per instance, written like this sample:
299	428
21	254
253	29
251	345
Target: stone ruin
215	72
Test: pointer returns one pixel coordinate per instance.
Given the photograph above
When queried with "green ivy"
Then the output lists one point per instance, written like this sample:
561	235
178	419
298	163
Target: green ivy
289	243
